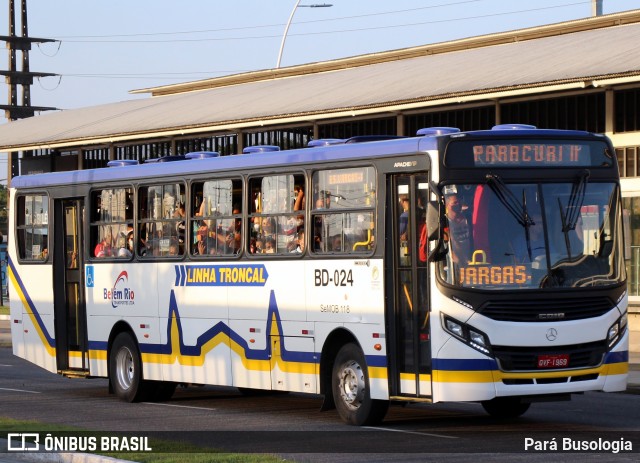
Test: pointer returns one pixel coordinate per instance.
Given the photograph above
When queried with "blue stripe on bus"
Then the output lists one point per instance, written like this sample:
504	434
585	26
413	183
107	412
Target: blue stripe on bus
376	360
196	351
617	357
465	364
223	328
39	323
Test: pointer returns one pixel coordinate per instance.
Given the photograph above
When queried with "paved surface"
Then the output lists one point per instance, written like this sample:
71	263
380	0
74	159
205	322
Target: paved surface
634	357
5	342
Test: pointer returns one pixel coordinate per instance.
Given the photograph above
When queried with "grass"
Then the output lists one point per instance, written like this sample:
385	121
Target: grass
4	310
164	451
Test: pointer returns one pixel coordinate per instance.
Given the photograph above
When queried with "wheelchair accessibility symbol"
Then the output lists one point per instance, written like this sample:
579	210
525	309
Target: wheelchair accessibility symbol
88	276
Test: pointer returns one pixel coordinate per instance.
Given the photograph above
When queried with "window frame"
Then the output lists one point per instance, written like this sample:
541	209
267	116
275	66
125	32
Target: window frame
316	212
192	218
290	215
94	226
170	223
22	229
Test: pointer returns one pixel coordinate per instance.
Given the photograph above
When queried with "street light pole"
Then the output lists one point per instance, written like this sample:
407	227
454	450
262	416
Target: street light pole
286	29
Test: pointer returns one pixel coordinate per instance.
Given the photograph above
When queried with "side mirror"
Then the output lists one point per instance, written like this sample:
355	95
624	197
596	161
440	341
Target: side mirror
433	220
435	224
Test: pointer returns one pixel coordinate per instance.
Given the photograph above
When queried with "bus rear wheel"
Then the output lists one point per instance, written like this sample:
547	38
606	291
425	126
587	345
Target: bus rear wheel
505	407
125	369
351	391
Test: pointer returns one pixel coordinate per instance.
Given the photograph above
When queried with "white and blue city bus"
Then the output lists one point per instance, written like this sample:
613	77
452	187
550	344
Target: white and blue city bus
482	267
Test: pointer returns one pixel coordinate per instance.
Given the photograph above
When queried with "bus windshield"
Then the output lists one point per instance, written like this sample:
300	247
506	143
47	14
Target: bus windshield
553	235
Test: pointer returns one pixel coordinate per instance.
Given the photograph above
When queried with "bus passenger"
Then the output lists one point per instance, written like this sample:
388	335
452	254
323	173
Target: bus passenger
336	244
459	231
324	200
404	219
269	246
299	203
104	247
181	228
201	237
173	248
142	241
300	242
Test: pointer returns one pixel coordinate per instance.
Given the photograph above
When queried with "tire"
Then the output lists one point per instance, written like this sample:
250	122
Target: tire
125	369
351	391
505	407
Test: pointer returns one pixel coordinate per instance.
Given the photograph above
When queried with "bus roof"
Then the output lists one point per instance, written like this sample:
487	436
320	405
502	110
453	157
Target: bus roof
223	163
320	153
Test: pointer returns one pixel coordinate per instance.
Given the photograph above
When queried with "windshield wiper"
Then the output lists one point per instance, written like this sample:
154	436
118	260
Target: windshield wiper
571	214
516	208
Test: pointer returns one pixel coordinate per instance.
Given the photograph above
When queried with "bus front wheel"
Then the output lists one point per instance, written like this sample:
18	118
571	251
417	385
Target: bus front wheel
351	392
125	369
505	407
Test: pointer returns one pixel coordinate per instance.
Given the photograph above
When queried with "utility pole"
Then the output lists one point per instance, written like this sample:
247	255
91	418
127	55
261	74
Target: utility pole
22	78
596	7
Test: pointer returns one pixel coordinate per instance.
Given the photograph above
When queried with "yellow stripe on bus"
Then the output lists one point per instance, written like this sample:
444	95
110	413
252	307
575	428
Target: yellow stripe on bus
489	376
50	350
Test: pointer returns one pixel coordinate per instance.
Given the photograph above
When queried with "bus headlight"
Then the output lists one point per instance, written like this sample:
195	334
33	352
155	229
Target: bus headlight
453	327
467	334
616	330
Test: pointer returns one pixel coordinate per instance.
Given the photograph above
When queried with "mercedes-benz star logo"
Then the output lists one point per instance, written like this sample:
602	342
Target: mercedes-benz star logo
552	334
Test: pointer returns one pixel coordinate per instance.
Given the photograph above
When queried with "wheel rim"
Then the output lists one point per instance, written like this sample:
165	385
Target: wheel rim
351	384
125	369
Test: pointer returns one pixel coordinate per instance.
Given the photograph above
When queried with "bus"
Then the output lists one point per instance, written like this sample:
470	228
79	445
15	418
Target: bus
484	266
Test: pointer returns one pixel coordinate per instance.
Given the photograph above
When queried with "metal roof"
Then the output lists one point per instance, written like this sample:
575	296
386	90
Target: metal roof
565	59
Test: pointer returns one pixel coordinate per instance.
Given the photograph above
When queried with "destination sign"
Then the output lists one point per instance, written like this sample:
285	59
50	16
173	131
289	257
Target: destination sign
492	275
527	154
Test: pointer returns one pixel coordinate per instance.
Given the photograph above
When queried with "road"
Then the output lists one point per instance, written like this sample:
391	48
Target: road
292	425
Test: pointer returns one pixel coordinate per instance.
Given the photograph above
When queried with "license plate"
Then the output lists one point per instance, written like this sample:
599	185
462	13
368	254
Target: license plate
553	361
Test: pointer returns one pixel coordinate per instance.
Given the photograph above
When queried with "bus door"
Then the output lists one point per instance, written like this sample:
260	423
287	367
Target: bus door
406	255
68	288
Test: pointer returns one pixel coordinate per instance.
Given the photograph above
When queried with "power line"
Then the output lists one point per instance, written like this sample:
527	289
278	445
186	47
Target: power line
335	31
262	26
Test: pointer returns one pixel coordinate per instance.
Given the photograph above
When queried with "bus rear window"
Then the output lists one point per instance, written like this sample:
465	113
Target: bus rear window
32	225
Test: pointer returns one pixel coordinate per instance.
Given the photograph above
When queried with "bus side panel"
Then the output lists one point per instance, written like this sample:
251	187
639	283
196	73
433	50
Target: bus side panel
115	290
261	299
462	374
31	304
617	362
349	294
194	323
250	354
294	365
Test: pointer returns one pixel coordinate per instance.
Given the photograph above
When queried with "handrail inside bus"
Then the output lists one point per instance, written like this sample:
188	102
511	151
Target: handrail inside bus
363	243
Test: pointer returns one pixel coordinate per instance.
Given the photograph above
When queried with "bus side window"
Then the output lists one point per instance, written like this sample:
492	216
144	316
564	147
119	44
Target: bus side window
111	222
217	218
277	223
32	221
161	219
342	217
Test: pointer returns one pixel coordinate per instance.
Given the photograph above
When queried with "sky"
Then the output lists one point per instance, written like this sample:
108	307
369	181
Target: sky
107	48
